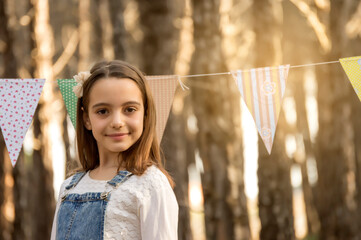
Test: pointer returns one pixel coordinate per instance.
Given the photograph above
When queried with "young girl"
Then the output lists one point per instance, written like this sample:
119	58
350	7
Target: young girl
123	191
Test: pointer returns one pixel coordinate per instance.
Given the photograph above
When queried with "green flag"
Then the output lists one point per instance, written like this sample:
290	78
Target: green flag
69	97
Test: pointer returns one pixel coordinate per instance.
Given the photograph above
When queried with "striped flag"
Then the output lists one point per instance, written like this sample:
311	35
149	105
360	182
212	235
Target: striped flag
262	90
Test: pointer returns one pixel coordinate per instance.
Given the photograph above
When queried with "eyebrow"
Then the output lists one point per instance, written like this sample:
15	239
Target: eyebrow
107	104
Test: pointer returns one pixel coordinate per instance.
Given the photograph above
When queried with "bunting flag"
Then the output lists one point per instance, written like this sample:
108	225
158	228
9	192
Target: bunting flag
352	67
69	97
262	90
162	87
18	101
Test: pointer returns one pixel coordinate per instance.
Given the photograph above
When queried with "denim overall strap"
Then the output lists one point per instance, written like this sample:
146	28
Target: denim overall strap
119	178
74	181
81	216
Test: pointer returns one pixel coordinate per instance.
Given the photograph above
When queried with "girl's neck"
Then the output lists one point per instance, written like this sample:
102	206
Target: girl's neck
106	170
103	173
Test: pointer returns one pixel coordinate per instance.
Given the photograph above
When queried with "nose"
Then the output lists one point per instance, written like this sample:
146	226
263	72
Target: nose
117	120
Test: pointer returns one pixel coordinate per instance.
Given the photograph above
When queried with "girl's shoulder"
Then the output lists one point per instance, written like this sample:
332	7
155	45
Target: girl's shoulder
154	173
152	178
149	186
77	174
68	180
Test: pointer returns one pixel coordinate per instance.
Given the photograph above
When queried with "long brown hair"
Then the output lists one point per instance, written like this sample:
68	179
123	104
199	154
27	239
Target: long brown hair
145	151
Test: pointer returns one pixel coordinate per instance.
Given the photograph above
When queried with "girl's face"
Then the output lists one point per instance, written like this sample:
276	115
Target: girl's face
115	114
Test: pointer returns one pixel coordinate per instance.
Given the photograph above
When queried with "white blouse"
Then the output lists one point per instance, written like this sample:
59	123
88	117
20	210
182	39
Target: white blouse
143	207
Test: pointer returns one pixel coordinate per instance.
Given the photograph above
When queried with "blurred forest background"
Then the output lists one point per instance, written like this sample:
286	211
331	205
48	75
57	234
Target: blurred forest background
228	187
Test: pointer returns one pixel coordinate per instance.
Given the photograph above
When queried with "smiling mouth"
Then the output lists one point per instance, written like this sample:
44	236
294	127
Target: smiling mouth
117	134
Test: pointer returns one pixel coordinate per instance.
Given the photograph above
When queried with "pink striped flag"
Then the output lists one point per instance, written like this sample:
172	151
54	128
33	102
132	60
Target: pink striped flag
163	88
262	90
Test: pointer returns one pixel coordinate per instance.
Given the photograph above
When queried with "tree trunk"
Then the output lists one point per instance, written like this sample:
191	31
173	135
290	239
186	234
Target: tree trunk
21	201
305	154
3	221
178	154
161	34
333	160
275	191
298	49
216	107
160	47
356	121
41	178
354	46
116	10
40	174
85	29
105	29
10	66
22	221
9	71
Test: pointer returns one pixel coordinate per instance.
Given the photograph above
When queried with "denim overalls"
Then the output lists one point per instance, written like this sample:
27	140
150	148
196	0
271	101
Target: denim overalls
81	216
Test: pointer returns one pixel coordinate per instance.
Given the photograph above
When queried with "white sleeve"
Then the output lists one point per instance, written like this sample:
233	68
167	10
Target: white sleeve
159	215
53	229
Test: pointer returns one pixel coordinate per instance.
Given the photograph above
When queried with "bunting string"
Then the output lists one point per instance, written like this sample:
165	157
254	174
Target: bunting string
229	73
314	64
262	90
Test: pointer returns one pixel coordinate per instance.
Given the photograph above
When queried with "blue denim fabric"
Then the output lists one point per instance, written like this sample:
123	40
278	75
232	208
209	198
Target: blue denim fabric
81	216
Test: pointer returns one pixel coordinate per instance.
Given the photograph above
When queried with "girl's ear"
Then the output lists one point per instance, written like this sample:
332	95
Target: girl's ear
86	120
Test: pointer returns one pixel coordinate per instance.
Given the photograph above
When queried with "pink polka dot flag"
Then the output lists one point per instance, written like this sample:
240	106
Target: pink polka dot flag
18	101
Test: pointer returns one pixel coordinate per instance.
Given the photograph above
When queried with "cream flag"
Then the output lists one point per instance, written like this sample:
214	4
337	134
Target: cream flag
262	90
163	88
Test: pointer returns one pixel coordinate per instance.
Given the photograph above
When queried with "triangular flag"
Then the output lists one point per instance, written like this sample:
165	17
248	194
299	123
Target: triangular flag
69	97
352	67
18	101
262	90
163	88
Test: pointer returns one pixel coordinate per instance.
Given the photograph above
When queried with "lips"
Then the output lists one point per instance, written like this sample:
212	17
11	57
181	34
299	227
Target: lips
117	136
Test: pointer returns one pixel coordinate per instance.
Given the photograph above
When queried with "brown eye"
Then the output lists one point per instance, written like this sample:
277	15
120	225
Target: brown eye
130	109
102	111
